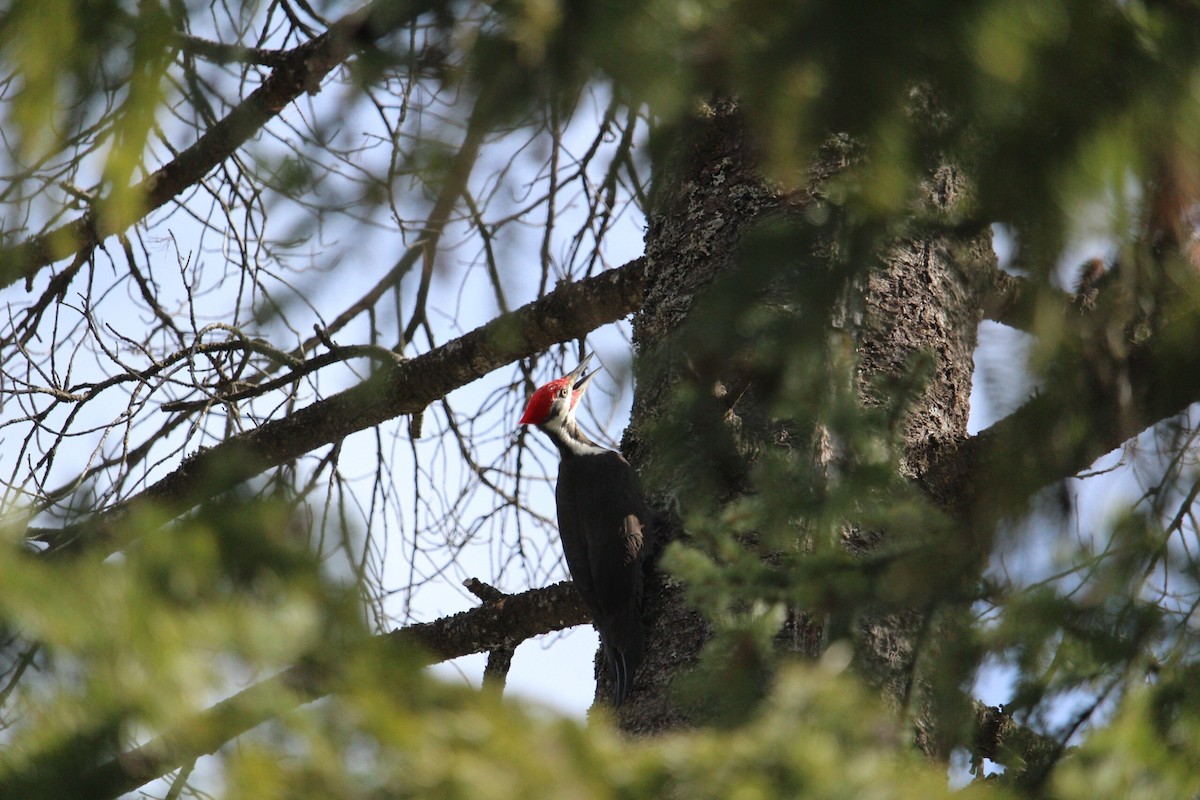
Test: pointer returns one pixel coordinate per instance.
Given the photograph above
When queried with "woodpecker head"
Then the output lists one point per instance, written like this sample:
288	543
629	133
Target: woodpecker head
552	407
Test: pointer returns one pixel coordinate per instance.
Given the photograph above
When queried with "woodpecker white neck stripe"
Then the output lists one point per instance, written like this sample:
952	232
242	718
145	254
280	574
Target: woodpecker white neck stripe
580	449
571	439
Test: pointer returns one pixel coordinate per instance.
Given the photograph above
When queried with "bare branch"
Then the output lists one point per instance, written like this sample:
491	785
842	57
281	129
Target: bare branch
569	312
221	53
301	70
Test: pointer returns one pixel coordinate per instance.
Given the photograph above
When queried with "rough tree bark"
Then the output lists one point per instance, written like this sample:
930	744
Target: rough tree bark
917	301
713	196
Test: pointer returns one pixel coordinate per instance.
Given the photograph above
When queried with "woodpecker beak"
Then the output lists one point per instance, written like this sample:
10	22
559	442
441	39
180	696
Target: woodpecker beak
579	381
575	373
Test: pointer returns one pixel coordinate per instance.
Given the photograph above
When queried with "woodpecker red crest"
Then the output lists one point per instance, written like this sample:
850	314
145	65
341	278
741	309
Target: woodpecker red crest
551	400
601	517
539	403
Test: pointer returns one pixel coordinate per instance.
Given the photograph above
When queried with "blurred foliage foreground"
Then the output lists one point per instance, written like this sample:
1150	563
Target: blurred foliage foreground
138	650
135	649
222	633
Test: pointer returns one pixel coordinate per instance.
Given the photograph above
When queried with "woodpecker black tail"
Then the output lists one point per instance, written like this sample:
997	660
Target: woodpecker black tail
602	521
623	646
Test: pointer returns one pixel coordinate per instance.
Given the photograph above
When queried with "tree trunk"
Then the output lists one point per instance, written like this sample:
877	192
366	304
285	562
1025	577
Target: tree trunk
916	301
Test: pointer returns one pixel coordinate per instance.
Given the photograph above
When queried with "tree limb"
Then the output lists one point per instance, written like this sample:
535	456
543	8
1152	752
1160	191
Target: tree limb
1014	301
1074	421
569	312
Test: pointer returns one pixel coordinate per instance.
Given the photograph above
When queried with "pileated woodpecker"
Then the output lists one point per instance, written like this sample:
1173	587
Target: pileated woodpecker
601	517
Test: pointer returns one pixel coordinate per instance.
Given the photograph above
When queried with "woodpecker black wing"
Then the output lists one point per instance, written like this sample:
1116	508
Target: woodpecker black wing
601	520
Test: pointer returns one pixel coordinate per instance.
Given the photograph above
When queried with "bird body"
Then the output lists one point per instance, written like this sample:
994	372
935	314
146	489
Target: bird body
602	519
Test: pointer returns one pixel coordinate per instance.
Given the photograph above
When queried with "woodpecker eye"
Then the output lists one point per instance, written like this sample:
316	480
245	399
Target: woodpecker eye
562	392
